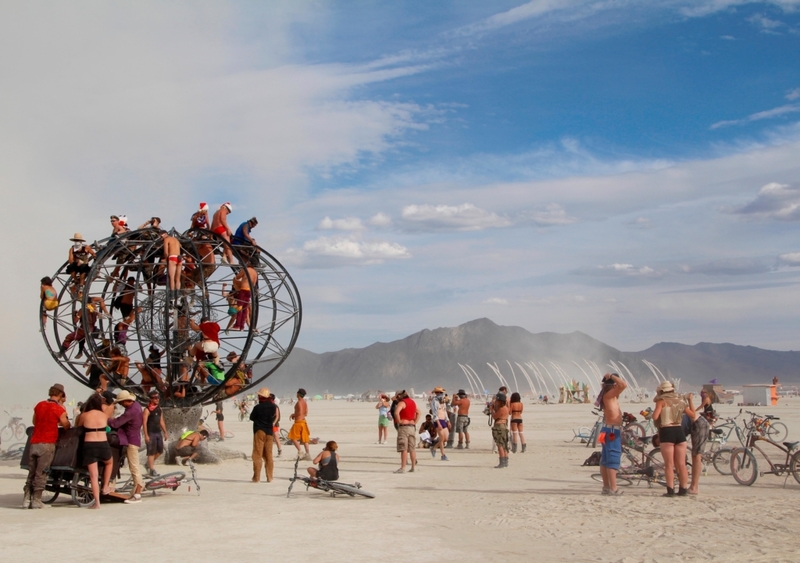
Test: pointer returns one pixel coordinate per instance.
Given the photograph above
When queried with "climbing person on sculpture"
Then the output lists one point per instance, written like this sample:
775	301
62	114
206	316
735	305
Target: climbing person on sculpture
49	297
219	225
80	254
200	219
172	254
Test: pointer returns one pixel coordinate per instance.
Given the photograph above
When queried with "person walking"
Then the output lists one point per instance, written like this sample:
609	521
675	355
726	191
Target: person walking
383	418
264	416
47	417
299	433
441	420
129	426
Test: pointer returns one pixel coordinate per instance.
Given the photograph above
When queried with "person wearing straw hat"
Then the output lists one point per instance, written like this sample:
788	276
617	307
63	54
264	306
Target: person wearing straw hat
129	426
667	416
80	254
264	416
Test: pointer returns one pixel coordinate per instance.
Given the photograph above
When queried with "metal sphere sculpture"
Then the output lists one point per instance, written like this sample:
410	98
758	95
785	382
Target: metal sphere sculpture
122	317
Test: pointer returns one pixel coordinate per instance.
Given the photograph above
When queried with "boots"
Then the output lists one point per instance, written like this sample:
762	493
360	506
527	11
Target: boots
466	446
503	463
669	493
36	502
514	448
26	500
524	446
682	492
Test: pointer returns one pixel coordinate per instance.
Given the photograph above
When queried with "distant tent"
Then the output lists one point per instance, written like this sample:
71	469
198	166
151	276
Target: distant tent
713	381
317	397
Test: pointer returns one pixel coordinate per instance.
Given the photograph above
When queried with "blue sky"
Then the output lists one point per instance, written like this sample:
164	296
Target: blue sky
624	168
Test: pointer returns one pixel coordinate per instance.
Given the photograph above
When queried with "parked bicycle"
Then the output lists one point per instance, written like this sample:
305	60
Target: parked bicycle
745	467
14	428
768	426
638	464
332	487
213	434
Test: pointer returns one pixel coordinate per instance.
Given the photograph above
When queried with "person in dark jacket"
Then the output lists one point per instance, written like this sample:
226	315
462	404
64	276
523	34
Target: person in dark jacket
264	416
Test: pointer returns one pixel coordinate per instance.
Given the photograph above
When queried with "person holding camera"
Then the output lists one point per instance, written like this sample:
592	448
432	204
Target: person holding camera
611	432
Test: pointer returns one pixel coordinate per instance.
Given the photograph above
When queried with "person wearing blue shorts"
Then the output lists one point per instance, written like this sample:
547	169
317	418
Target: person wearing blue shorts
608	402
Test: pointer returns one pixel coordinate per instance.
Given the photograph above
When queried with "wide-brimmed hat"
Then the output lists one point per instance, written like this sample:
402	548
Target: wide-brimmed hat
264	392
125	396
461	393
78	238
666	387
438	390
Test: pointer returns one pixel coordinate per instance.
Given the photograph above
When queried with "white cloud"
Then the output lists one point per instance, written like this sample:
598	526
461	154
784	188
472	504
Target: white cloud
701	8
336	251
620	270
380	219
758	116
790	259
497	301
774	201
553	214
727	37
464	217
532	9
793	94
765	24
346	224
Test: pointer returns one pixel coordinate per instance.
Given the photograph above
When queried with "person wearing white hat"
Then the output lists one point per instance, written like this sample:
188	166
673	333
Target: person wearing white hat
219	225
129	425
667	416
80	254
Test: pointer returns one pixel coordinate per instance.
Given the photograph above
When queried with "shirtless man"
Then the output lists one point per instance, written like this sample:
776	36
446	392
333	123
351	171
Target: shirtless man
500	412
186	448
299	433
611	432
219	225
172	254
244	281
462	402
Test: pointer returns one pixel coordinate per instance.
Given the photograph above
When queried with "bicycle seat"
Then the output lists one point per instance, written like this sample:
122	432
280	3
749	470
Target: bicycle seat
791	445
771	417
717	431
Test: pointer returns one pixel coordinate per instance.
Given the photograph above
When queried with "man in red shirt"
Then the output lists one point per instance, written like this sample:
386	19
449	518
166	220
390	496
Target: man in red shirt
47	417
407	415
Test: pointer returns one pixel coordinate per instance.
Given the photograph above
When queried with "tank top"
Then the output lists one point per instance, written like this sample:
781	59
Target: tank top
410	410
383	411
329	468
672	411
154	421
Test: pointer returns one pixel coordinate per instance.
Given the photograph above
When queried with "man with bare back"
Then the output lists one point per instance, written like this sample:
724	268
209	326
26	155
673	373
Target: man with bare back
299	433
172	254
219	225
462	403
611	433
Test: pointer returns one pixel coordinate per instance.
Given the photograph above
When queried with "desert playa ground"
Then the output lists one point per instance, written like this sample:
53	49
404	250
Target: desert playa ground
544	507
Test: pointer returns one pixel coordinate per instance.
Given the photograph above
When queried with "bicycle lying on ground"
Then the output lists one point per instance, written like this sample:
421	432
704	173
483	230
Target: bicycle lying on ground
745	467
82	486
333	487
13	452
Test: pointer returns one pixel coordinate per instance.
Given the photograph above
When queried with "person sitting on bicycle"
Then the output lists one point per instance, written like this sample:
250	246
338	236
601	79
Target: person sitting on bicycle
328	462
187	446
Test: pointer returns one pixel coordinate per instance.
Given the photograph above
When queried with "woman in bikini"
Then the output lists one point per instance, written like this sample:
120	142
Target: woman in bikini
95	445
441	420
327	463
516	423
49	297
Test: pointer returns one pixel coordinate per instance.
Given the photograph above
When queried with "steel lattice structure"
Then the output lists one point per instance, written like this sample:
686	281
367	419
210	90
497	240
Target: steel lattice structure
124	303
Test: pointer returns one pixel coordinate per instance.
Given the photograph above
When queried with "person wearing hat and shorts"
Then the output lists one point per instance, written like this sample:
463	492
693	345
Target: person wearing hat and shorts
129	429
462	403
299	433
155	431
264	415
219	226
406	416
440	419
47	417
667	416
80	254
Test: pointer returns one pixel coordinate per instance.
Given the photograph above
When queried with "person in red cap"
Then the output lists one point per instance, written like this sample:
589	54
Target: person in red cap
200	218
47	417
219	225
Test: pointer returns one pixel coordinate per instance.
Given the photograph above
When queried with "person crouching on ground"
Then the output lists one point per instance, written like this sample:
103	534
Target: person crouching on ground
263	416
327	463
611	432
187	447
500	428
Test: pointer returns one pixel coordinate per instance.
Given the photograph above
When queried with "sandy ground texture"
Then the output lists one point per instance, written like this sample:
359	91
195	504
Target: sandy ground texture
544	507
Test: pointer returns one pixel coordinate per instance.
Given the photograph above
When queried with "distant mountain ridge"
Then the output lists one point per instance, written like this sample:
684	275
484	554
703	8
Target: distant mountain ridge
431	357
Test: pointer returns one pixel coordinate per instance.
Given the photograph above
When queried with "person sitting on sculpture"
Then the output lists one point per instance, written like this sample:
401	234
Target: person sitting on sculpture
200	218
152	223
119	366
243	237
151	369
219	225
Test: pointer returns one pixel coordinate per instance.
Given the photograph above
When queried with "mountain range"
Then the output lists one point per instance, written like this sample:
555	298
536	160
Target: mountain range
432	357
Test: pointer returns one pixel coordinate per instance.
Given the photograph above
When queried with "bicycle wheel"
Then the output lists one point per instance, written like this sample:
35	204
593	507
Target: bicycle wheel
349	490
622	480
777	432
6	433
636	429
744	466
722	460
19	432
82	490
794	466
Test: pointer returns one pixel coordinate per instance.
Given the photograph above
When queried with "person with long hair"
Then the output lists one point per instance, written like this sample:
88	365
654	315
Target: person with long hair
383	418
327	463
516	407
499	410
95	445
667	417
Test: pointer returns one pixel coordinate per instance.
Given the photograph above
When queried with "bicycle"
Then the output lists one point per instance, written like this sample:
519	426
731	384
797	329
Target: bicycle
332	487
213	434
765	425
745	467
642	465
81	486
13	428
13	452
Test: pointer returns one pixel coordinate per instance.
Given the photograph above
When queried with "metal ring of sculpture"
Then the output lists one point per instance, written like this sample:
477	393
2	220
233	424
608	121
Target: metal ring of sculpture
120	318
